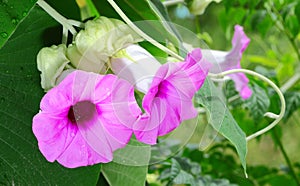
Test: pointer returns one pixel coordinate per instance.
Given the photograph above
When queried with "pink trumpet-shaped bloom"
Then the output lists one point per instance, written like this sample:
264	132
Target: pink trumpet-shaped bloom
169	99
85	118
223	61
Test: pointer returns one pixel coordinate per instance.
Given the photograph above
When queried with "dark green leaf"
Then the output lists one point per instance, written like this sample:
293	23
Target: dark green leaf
102	181
12	13
297	10
292	103
258	103
261	22
20	93
67	8
179	176
292	24
221	119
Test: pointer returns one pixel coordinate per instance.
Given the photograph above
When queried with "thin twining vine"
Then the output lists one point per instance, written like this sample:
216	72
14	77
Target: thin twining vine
141	33
68	26
268	114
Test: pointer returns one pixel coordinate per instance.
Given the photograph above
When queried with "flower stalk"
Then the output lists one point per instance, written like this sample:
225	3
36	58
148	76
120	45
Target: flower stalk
67	24
141	33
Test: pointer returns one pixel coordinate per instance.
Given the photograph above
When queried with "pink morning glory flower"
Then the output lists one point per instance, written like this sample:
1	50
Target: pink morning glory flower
85	118
223	61
169	99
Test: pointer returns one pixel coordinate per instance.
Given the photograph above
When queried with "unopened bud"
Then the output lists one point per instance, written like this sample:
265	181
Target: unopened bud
136	65
51	61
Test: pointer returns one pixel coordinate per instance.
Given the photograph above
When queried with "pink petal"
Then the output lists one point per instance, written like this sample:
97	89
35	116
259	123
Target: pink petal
104	109
79	153
162	120
53	134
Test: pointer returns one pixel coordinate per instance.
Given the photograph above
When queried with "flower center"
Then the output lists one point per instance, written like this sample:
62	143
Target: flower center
83	111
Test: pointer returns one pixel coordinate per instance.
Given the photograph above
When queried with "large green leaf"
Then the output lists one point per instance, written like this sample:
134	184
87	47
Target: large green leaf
12	13
221	118
67	8
130	165
21	162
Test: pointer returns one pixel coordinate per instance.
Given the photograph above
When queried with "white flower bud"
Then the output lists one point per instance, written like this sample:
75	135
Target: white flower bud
51	61
198	6
100	40
136	65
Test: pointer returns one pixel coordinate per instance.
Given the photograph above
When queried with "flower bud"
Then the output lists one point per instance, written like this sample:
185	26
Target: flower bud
100	40
136	65
51	61
197	7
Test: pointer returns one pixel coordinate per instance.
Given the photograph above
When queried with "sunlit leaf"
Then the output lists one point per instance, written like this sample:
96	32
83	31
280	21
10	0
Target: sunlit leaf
130	165
221	118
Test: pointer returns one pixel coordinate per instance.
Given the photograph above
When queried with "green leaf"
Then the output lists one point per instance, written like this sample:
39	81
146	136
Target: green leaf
118	174
146	16
261	21
263	60
184	178
258	103
130	165
12	13
179	176
292	103
292	24
175	168
67	8
221	118
20	93
297	9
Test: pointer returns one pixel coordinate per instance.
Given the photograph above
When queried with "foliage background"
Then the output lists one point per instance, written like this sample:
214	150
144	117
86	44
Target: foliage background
273	27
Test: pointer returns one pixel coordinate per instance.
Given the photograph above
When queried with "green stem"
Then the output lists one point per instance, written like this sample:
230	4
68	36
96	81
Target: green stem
286	157
197	25
141	33
268	114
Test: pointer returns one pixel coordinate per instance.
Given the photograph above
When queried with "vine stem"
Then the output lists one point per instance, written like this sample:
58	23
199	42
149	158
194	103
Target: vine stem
141	33
286	157
269	114
59	18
